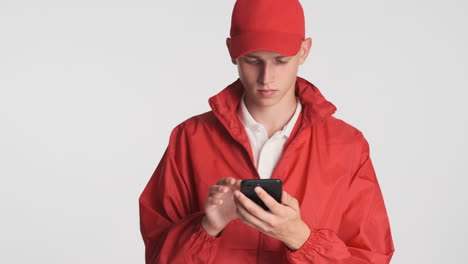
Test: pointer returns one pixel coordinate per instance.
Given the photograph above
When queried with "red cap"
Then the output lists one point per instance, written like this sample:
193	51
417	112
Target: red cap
275	25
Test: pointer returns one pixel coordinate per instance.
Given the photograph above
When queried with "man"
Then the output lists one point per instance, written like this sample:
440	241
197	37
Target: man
269	123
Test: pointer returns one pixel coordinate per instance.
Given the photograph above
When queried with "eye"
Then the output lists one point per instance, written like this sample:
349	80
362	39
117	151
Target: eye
282	62
252	61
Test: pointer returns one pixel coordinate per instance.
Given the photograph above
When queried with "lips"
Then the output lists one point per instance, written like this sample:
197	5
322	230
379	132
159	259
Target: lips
267	93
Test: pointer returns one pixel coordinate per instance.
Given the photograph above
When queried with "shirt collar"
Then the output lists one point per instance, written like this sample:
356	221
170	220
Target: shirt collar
249	122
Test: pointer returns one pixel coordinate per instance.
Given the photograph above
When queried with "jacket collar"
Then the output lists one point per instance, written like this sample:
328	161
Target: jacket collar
315	107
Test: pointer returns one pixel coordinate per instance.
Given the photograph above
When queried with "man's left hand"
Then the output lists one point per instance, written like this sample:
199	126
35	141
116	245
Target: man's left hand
282	222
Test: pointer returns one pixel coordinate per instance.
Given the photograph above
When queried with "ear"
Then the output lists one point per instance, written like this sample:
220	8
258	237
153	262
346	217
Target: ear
228	44
305	49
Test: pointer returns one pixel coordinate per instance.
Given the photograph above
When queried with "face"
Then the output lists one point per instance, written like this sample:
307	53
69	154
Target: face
268	77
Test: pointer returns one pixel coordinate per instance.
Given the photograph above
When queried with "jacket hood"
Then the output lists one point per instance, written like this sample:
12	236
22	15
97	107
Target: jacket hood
314	105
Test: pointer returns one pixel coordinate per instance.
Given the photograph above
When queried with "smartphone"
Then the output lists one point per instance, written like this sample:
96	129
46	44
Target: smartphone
274	187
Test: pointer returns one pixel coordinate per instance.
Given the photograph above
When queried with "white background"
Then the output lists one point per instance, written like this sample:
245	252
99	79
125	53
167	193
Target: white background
90	90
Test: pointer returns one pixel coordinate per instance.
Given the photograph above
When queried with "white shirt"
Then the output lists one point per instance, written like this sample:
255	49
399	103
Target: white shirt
266	151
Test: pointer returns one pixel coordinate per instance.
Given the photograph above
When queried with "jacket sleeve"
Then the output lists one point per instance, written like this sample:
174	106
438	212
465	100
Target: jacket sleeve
364	234
170	218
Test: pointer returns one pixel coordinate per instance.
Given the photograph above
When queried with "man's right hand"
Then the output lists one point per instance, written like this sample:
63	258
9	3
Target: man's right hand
220	208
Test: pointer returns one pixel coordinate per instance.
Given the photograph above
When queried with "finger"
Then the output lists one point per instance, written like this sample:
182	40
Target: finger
284	197
213	202
250	219
223	181
289	201
252	207
237	184
234	184
269	201
218	196
233	181
218	189
226	181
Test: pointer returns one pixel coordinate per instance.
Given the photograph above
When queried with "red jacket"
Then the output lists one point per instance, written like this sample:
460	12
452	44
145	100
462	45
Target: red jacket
325	165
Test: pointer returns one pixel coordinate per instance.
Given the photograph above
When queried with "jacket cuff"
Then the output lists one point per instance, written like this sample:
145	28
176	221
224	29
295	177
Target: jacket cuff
201	245
305	249
200	233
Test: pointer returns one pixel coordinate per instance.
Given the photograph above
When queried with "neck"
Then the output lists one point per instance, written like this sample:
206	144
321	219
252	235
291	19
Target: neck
276	116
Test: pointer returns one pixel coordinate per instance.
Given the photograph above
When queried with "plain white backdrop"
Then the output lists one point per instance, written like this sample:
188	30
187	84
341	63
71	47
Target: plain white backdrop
90	90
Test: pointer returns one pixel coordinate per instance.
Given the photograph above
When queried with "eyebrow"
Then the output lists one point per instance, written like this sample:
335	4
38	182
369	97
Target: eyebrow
253	56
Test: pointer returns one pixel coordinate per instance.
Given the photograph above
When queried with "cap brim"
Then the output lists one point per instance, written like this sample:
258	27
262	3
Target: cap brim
283	43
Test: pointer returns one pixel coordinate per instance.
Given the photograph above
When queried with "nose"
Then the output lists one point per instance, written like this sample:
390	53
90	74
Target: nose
267	74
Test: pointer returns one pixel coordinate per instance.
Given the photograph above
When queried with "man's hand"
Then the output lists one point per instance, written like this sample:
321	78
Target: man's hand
220	208
282	222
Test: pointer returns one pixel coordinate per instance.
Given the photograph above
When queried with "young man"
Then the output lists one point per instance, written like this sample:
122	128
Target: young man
269	123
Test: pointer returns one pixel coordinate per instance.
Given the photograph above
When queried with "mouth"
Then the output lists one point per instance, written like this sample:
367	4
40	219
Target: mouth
267	93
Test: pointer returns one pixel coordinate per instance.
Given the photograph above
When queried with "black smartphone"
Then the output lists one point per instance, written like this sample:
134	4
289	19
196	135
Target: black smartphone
274	187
